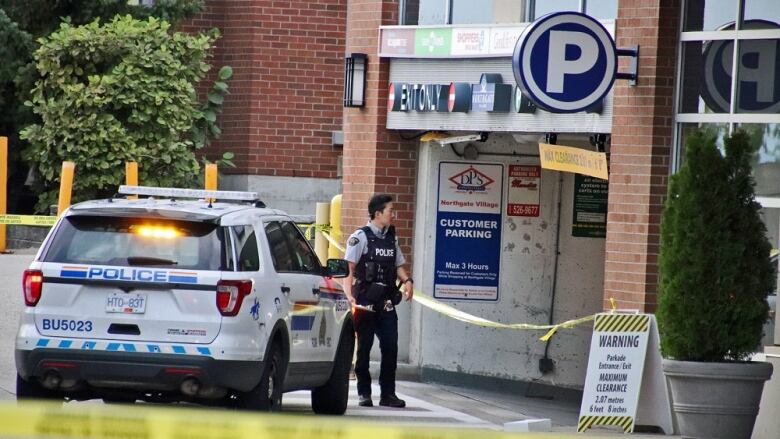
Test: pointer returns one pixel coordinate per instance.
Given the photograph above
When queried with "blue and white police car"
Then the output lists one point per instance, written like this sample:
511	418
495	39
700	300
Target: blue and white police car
183	295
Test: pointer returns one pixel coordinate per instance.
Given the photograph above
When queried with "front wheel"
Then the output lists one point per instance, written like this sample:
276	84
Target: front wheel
332	397
267	395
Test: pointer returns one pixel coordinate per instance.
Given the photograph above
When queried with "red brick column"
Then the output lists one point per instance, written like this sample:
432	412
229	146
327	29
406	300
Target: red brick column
642	129
375	159
285	97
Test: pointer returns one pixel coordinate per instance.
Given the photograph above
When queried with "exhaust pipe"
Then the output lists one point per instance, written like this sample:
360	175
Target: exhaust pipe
190	387
51	380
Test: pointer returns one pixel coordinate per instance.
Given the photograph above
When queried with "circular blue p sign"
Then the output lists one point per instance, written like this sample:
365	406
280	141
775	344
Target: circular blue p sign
565	62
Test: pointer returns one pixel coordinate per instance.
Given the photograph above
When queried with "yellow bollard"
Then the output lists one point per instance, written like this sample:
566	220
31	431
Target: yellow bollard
131	177
211	177
3	186
66	186
320	220
335	226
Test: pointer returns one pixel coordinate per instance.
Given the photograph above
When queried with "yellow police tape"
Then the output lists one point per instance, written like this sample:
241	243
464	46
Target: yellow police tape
49	420
28	220
433	304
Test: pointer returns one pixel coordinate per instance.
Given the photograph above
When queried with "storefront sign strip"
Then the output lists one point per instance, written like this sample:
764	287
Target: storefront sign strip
397	42
569	159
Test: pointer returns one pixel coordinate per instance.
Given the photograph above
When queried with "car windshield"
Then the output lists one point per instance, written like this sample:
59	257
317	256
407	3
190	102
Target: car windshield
138	242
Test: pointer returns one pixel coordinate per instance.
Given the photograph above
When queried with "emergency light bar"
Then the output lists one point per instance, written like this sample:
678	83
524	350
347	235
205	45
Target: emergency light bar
169	192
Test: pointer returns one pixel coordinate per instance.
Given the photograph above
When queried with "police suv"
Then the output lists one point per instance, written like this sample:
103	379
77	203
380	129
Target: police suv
213	300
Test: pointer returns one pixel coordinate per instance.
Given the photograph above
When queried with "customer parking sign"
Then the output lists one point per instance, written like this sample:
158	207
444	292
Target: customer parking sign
468	231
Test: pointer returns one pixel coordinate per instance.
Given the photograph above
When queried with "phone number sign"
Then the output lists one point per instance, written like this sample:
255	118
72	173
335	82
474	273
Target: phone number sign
523	192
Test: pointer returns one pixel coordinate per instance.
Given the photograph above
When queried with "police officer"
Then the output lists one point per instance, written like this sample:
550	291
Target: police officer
375	263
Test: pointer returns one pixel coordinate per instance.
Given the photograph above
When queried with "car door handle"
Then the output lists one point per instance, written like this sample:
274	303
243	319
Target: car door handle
285	290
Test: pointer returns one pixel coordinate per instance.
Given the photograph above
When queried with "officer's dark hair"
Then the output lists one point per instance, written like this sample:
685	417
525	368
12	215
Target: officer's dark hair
378	203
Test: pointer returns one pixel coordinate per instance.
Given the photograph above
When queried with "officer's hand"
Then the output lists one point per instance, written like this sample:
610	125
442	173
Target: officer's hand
409	290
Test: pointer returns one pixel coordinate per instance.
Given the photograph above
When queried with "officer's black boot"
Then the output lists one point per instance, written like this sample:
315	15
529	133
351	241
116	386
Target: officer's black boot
365	401
392	401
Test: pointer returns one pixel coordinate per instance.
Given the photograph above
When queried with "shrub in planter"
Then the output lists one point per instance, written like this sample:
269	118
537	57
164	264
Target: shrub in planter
715	274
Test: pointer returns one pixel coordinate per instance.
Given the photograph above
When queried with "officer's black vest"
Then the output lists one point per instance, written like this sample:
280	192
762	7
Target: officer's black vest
381	251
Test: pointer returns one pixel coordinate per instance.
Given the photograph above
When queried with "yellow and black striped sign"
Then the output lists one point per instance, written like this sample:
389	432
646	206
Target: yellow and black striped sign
622	323
624	422
28	220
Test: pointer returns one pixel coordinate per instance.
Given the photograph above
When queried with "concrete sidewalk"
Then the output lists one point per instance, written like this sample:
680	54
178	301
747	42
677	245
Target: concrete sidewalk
501	407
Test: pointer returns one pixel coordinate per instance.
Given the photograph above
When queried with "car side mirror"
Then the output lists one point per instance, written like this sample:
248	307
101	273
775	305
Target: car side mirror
337	268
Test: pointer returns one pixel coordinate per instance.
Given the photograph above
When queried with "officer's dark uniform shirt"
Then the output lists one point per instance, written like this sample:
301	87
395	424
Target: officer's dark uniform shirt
380	248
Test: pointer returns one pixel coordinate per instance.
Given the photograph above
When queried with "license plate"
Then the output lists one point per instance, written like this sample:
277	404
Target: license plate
133	303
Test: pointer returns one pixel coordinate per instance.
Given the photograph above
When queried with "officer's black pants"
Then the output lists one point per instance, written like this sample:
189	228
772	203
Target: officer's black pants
385	325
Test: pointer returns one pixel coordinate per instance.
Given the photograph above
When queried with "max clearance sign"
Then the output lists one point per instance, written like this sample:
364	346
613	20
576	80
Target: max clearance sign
468	231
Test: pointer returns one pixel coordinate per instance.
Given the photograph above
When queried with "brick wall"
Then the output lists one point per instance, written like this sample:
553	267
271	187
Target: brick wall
642	129
375	159
286	92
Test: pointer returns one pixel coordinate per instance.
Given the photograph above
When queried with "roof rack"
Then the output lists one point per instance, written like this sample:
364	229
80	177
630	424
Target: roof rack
169	192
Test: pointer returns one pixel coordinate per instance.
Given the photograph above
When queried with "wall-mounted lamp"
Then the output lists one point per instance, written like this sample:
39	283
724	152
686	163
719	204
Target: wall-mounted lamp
355	65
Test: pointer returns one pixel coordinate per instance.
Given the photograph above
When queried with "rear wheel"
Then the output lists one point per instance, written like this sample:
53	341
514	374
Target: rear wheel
332	397
32	389
267	395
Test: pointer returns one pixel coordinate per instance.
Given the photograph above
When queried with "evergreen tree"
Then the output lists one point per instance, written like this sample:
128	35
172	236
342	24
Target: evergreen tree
714	263
21	23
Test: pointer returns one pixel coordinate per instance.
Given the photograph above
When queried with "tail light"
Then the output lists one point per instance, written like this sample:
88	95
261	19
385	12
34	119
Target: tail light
32	282
230	295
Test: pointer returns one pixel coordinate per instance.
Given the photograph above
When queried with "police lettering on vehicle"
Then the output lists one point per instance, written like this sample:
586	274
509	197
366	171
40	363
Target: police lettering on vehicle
128	274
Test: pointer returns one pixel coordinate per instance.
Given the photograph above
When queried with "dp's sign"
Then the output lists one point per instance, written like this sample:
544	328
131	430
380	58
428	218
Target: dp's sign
565	62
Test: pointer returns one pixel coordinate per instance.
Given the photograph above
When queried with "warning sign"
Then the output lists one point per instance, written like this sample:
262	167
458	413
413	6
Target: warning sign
568	159
523	198
620	369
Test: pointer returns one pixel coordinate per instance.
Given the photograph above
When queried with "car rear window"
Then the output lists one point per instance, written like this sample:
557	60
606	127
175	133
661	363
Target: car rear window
139	242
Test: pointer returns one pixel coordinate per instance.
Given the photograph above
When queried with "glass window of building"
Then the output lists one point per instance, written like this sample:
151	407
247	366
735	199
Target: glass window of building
706	15
486	11
729	79
766	11
544	7
602	9
705	83
433	12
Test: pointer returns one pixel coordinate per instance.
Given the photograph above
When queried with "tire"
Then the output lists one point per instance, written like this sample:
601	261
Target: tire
26	390
267	395
332	397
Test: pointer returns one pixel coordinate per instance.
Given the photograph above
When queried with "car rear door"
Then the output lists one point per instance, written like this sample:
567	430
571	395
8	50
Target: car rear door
300	289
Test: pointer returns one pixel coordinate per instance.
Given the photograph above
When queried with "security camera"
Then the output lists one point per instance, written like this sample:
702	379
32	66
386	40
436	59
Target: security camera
481	137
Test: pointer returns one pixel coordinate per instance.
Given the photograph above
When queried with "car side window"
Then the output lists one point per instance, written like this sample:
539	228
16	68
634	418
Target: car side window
304	259
246	246
227	262
280	253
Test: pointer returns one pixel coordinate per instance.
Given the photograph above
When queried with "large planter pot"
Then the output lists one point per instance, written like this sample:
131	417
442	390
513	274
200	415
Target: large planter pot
716	400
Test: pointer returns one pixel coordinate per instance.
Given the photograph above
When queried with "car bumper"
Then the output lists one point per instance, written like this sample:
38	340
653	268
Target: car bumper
136	370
